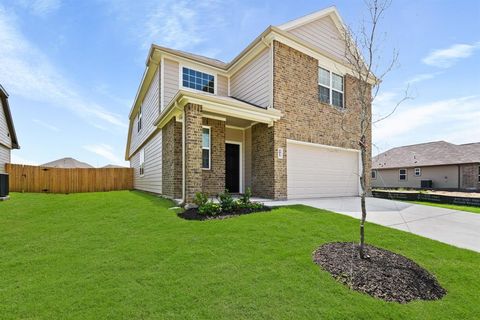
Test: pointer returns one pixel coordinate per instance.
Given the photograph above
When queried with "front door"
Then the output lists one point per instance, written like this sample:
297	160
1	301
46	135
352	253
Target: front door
232	167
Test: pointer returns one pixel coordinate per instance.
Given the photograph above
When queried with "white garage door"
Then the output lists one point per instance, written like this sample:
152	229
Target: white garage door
315	171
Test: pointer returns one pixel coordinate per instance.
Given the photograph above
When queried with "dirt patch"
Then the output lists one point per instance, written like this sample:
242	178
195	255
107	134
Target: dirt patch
193	214
385	275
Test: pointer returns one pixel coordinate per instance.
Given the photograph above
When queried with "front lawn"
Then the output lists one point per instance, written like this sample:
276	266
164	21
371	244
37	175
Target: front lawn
449	206
124	255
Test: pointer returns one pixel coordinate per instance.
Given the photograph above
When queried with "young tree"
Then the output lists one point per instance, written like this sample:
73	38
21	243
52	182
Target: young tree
363	55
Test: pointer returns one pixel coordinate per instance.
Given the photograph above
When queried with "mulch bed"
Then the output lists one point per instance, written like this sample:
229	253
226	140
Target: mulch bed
193	214
385	275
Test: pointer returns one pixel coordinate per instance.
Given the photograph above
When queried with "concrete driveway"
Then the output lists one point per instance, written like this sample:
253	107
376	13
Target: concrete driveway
458	228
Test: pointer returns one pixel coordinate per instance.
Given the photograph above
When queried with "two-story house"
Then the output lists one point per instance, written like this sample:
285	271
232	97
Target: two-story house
272	119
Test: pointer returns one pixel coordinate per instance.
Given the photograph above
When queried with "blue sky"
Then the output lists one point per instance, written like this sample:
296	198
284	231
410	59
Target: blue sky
72	68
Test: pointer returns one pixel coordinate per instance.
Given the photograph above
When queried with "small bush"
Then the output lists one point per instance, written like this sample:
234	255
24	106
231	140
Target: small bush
245	198
227	203
255	206
210	209
201	198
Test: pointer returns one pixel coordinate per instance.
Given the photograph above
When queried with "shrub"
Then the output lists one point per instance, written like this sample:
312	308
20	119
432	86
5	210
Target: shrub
255	206
227	203
210	208
245	198
201	198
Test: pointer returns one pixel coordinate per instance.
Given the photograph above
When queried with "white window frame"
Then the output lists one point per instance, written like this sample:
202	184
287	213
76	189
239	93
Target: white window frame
330	87
418	172
139	119
199	69
374	174
141	167
400	174
209	147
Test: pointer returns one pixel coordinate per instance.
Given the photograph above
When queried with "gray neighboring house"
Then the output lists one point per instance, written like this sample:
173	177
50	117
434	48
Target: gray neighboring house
8	138
69	163
448	166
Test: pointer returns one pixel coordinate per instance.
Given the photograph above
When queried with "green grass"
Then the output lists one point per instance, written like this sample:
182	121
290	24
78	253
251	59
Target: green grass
449	206
124	255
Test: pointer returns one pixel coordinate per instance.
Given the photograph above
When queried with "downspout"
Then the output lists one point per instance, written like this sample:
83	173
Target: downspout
183	158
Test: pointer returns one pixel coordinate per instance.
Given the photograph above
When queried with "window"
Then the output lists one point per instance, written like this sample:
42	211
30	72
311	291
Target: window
402	174
198	80
418	172
374	174
478	174
139	119
141	168
330	88
206	143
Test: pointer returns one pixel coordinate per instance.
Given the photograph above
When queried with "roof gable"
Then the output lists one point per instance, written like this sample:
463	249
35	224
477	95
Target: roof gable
8	118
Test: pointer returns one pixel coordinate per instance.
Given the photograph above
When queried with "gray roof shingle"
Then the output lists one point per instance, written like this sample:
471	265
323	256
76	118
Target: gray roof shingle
428	154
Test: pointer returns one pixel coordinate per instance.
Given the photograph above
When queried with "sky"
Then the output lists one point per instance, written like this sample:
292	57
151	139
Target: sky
72	68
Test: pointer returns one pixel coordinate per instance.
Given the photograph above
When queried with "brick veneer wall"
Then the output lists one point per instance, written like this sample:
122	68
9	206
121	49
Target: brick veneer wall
214	179
469	176
193	151
172	159
295	93
262	178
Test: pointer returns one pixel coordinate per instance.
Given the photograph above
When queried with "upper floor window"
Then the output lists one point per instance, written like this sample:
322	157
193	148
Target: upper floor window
139	119
330	88
402	174
198	80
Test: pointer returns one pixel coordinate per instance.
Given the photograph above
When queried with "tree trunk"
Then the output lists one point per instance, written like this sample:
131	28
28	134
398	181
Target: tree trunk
363	184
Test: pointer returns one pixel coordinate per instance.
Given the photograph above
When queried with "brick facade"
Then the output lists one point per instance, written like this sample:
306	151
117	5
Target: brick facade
193	151
214	179
469	174
172	159
262	161
295	93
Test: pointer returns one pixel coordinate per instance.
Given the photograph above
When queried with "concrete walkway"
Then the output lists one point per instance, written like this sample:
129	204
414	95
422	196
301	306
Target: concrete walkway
458	228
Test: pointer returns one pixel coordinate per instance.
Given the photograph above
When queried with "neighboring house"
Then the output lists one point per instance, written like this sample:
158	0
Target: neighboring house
271	119
446	165
69	163
8	138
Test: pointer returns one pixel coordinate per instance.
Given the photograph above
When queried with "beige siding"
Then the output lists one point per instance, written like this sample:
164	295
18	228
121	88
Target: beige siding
234	134
322	34
222	85
171	78
252	83
442	177
150	111
152	178
4	157
4	133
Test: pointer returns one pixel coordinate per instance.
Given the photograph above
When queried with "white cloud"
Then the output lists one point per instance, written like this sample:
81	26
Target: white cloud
46	125
422	77
445	58
40	7
452	120
25	71
105	151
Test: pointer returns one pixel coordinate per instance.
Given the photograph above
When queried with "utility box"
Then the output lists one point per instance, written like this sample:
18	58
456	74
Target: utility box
3	185
426	184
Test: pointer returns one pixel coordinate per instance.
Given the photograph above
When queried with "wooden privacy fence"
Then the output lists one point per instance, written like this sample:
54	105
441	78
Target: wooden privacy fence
23	178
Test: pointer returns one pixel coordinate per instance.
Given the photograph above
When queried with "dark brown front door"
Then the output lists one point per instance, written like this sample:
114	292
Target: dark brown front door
232	167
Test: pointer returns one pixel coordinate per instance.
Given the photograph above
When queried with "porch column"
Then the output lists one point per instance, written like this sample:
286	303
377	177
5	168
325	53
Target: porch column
193	151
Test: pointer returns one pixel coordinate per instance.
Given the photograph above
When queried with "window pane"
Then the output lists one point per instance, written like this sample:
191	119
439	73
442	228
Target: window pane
198	80
337	99
337	82
206	138
324	94
324	77
205	158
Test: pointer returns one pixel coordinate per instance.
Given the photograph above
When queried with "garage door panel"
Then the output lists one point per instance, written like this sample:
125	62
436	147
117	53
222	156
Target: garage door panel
315	171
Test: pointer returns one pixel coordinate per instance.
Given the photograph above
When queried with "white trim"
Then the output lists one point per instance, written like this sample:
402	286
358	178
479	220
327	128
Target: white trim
214	117
209	147
419	172
240	161
228	83
162	84
322	145
330	87
271	76
234	127
310	18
